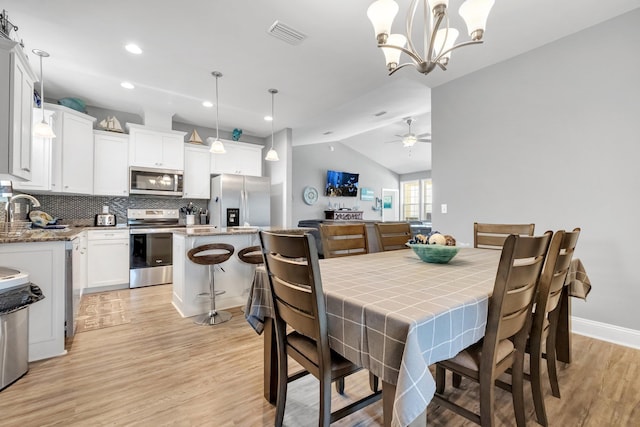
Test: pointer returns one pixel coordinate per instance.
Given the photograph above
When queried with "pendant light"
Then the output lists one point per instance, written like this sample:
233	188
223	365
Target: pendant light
216	146
42	129
272	155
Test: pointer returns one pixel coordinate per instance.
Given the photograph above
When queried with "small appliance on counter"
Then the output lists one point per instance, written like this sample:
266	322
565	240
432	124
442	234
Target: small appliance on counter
105	219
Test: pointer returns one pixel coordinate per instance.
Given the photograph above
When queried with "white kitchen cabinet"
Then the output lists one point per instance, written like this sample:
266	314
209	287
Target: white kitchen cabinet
240	158
16	102
45	263
72	151
108	258
110	164
154	148
197	176
40	159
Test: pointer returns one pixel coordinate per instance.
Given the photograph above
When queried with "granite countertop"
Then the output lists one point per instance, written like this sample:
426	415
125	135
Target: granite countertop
52	235
204	230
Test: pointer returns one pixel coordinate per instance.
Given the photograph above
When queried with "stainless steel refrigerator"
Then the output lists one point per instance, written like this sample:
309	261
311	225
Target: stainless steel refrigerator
238	200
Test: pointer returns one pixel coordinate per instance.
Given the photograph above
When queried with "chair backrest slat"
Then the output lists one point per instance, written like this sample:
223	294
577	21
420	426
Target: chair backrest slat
344	239
393	236
492	236
291	261
515	287
553	277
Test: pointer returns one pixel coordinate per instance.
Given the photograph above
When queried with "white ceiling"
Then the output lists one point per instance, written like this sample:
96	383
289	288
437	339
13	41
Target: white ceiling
334	81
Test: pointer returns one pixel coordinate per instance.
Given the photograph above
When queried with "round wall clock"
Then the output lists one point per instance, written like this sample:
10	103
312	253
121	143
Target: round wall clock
310	195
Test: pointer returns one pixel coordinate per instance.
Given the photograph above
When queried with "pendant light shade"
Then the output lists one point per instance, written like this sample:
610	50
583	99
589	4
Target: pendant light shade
272	154
42	129
217	147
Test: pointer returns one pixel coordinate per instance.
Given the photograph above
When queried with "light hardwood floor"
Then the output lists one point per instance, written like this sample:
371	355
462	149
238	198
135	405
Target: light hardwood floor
161	369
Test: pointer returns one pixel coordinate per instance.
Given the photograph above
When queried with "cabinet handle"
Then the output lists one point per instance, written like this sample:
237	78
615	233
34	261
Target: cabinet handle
66	186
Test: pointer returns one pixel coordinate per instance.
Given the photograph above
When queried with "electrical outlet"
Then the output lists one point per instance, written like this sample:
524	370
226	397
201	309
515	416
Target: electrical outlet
443	208
16	208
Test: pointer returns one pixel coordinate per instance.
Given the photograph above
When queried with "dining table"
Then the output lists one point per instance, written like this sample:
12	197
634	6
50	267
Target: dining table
394	315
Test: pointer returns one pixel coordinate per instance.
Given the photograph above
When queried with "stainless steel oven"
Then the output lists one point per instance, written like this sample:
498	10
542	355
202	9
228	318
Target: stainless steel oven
151	246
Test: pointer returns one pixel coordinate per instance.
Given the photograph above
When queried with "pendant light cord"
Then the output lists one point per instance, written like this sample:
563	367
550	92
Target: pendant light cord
41	90
273	117
217	137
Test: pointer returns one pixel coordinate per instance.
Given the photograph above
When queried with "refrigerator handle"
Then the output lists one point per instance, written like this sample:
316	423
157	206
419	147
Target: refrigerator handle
244	214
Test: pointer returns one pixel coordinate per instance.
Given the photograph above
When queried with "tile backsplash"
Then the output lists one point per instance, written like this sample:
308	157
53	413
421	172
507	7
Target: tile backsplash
81	210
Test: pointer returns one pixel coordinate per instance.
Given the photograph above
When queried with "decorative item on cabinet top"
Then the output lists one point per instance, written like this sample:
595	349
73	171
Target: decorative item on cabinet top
74	104
111	124
237	133
195	138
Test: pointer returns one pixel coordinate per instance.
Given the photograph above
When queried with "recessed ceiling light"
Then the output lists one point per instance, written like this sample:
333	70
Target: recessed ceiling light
133	48
207	104
127	85
268	118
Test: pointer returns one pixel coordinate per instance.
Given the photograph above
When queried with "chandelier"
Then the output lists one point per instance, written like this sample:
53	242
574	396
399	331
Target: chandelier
437	42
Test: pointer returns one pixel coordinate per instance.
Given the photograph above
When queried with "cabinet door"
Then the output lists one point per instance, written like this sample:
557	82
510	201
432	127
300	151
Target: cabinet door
146	149
77	155
21	116
108	262
240	159
197	178
110	162
40	159
172	152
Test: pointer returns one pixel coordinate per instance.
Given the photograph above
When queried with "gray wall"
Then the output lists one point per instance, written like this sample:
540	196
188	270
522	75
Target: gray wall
552	137
310	165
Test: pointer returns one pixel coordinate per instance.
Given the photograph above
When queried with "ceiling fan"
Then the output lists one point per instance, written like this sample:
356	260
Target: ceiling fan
409	139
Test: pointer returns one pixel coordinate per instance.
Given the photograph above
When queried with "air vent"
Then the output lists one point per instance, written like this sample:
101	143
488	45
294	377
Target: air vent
329	132
286	33
381	113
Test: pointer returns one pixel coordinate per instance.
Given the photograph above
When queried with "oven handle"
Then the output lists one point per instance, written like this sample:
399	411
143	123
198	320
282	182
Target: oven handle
154	230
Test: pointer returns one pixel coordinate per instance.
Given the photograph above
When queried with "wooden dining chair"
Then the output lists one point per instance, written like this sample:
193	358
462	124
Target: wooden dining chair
492	236
393	235
344	239
545	317
296	287
508	321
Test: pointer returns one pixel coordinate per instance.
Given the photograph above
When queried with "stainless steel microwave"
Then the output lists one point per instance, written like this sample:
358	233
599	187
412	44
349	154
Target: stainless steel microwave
156	182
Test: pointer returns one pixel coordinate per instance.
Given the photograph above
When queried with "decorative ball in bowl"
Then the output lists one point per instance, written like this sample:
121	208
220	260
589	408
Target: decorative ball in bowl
435	254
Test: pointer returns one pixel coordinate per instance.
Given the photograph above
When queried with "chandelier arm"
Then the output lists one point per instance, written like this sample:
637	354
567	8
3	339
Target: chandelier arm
402	66
432	40
411	13
413	55
468	43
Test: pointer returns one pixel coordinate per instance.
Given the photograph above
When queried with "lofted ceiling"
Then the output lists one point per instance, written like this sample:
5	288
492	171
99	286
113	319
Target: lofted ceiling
331	86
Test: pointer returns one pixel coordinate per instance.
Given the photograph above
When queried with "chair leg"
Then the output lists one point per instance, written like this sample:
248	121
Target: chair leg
340	385
440	379
457	380
551	354
373	382
536	380
487	391
281	398
325	401
517	388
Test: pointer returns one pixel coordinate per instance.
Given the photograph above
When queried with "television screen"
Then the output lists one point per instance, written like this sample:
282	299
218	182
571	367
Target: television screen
343	184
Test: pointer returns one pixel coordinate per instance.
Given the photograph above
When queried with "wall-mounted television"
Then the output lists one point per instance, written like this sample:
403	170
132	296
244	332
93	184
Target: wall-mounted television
341	184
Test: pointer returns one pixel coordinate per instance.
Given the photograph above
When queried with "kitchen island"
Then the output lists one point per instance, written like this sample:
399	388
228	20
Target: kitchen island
190	280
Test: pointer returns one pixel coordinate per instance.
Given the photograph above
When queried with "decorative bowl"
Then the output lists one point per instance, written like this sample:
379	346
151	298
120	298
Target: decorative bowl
435	254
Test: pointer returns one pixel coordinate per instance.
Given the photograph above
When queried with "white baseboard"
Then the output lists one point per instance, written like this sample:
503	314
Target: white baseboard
605	332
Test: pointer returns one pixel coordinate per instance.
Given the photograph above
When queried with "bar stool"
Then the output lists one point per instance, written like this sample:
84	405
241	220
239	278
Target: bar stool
213	317
250	255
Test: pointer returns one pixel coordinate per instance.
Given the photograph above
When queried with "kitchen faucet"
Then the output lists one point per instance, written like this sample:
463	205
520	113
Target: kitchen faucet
9	206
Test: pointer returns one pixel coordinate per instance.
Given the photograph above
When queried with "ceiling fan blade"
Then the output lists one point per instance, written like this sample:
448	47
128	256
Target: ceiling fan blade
423	135
424	139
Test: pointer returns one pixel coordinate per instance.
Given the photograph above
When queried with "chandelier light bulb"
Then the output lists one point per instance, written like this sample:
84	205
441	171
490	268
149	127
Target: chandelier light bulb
392	56
381	14
475	14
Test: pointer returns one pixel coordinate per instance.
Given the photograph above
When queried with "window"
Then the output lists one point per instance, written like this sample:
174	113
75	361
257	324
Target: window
416	200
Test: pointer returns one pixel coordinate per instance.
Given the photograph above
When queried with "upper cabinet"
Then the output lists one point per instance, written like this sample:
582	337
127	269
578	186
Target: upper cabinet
154	148
40	158
16	102
197	178
111	164
240	158
72	151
